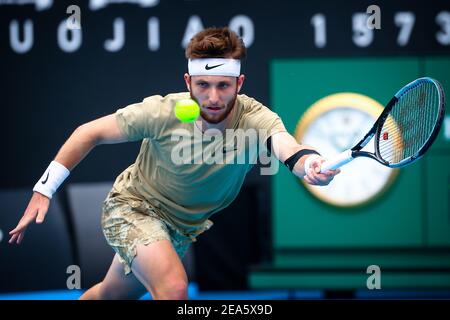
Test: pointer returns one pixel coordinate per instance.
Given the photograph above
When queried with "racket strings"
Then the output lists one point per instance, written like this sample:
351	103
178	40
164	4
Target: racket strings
404	135
404	140
410	123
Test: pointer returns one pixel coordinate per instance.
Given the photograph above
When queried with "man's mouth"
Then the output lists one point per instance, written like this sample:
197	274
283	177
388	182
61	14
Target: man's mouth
214	109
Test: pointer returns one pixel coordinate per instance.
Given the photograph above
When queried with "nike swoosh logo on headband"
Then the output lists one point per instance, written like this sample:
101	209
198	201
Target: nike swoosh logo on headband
212	67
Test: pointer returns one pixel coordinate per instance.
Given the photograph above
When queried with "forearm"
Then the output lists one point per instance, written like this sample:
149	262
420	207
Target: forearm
76	148
285	146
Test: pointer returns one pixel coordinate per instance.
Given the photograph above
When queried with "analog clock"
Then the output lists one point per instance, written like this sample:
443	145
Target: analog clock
334	124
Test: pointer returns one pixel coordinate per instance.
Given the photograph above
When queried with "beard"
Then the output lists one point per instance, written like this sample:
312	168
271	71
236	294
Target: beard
216	118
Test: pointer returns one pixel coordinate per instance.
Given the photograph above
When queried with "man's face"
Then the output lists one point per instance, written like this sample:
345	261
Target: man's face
216	95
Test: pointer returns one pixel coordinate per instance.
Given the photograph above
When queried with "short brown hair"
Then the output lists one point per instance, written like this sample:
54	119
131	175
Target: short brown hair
216	43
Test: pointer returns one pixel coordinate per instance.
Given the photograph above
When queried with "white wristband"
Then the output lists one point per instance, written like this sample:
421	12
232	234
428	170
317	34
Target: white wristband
52	178
308	160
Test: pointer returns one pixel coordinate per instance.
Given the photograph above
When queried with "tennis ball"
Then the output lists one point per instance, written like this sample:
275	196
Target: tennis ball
187	110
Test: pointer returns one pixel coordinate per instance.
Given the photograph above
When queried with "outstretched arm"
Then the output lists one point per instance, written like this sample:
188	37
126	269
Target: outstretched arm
100	131
104	130
284	146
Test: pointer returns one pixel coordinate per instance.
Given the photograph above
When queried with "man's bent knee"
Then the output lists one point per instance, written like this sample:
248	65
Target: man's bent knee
172	290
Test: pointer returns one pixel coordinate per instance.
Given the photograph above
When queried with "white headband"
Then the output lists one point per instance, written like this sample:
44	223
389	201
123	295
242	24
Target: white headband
214	67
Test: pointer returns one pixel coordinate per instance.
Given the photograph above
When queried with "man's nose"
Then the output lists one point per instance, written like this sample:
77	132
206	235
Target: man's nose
213	96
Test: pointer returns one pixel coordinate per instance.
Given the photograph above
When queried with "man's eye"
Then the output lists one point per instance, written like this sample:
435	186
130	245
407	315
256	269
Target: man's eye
203	84
224	85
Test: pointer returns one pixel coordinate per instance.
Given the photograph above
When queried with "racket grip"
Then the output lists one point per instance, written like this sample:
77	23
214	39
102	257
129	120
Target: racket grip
337	161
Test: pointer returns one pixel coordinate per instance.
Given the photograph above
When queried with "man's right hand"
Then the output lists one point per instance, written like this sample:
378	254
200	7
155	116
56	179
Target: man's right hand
36	211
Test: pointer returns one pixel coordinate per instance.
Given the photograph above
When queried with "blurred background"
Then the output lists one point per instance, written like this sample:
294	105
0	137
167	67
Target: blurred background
373	233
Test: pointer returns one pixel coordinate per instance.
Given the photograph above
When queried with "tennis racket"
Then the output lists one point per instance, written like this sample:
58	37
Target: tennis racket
405	130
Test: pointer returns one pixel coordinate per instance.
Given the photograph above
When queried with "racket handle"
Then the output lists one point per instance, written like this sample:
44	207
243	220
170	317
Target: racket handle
337	161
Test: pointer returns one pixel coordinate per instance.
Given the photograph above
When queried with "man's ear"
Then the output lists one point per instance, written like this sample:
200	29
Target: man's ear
187	80
240	82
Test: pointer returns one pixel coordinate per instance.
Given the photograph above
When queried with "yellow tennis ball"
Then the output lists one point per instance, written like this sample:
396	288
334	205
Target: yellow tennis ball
187	110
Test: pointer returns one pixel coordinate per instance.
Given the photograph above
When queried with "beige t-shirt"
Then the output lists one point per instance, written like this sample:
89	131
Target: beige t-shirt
187	175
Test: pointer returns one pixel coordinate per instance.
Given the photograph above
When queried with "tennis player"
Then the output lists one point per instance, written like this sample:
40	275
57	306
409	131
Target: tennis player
157	207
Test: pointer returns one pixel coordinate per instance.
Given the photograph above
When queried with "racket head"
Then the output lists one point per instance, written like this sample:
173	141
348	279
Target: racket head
410	123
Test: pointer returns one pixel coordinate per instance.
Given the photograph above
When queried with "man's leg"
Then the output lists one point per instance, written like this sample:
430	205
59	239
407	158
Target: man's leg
156	268
116	285
160	270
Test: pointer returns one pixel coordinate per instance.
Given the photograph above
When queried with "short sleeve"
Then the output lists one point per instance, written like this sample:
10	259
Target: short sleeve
140	120
261	118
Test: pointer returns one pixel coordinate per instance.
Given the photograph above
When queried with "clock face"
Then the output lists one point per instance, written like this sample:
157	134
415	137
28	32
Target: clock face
334	124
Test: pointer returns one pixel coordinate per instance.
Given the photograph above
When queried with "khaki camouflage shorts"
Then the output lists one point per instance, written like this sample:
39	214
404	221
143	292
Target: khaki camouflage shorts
127	224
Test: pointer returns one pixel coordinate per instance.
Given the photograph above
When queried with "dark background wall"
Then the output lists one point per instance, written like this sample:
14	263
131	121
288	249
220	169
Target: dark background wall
47	92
